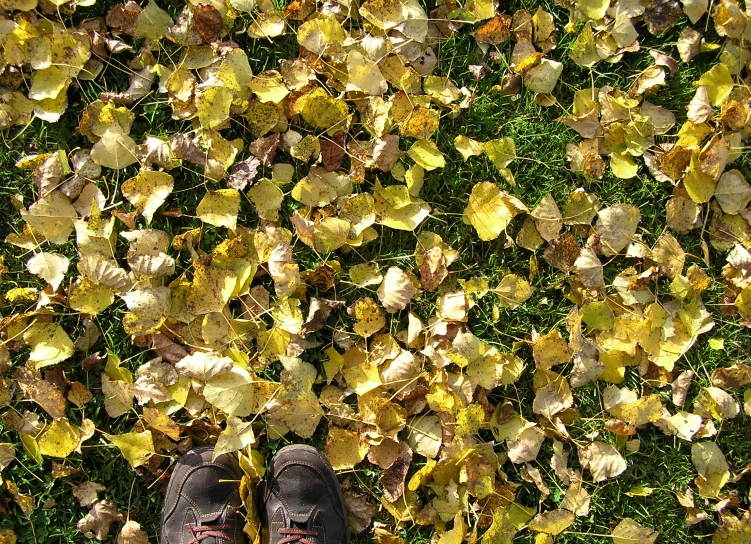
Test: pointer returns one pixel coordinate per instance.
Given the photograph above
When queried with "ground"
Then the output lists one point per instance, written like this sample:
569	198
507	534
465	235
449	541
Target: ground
662	463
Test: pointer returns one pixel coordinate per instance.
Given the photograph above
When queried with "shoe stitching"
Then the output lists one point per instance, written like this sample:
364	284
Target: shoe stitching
211	514
322	531
228	468
288	509
309	465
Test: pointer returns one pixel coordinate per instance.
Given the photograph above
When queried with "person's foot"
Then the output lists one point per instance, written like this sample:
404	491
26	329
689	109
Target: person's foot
202	501
302	501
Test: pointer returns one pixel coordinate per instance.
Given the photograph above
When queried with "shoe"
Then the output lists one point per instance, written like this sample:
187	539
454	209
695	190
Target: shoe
301	500
202	500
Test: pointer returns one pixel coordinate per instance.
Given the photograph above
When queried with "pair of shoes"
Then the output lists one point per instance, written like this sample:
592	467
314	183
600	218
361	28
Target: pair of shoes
301	500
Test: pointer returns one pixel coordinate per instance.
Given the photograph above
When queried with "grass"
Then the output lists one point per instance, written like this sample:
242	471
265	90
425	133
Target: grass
662	462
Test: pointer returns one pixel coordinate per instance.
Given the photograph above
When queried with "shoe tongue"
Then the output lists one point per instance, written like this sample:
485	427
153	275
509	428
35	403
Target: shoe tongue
311	523
220	520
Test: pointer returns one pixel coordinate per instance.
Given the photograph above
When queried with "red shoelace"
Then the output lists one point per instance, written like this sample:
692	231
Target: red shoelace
202	532
296	535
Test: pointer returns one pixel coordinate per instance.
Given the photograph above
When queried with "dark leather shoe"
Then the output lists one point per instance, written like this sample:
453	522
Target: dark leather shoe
202	501
302	501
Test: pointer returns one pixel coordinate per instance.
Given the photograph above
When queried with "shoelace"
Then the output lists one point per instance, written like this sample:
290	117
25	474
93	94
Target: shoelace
202	532
296	535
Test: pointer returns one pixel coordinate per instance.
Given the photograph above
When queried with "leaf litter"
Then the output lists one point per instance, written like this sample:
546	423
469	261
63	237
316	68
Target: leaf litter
356	115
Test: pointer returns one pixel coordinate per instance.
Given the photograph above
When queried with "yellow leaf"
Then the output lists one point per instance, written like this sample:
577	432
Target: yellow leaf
743	302
147	309
425	436
152	22
396	291
211	289
52	217
232	392
551	350
161	422
49	344
323	111
490	210
48	83
267	198
88	297
267	24
237	435
420	124
468	147
629	531
623	165
147	191
553	522
719	84
344	449
51	267
321	35
115	149
213	106
364	75
220	208
426	154
269	86
60	439
456	534
135	447
513	291
369	317
501	152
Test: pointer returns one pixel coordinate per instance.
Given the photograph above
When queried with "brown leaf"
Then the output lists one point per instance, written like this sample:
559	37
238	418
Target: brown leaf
621	428
87	493
333	151
24	501
433	269
99	519
393	477
62	471
386	152
322	278
208	22
167	349
733	377
320	309
122	17
359	511
661	15
79	394
385	454
680	387
495	31
522	26
93	361
243	173
45	394
265	148
184	31
128	218
562	252
511	85
131	533
183	148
